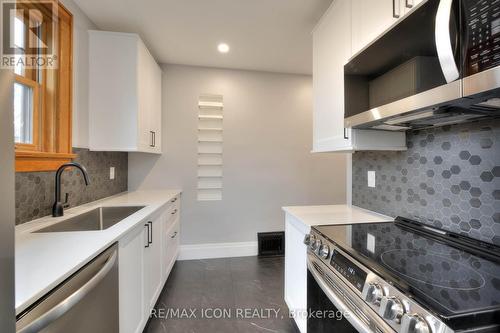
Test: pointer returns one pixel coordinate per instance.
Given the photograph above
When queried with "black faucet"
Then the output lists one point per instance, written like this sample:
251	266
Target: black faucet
58	207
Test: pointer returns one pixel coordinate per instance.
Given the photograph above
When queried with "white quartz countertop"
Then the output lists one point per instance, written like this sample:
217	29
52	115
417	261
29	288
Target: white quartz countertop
43	260
334	214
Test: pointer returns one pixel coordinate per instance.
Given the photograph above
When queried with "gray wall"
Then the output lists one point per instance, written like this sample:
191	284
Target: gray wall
449	178
35	191
7	314
267	159
81	25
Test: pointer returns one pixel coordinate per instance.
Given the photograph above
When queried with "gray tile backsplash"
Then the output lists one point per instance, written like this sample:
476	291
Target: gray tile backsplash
449	177
35	190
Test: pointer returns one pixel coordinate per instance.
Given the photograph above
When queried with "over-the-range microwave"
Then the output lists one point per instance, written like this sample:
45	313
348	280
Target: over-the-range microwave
439	65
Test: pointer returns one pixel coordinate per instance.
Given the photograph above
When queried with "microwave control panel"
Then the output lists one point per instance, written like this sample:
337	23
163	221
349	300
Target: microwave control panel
483	31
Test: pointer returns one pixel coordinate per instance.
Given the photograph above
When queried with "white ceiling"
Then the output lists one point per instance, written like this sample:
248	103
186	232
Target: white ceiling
267	35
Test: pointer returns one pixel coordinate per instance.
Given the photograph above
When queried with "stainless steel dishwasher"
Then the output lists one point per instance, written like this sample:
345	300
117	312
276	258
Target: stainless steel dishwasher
86	302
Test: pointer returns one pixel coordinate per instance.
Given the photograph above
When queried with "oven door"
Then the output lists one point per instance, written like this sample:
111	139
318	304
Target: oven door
318	302
334	307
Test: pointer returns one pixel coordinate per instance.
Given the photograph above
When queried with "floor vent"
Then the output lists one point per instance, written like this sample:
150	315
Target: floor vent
271	243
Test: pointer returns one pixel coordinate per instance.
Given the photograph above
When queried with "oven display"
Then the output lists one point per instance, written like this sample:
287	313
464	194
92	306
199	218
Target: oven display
350	271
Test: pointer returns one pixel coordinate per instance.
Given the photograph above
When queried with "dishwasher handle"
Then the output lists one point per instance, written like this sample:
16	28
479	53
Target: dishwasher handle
65	305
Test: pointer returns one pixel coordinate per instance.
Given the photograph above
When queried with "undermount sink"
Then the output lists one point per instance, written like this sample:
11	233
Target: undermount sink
100	218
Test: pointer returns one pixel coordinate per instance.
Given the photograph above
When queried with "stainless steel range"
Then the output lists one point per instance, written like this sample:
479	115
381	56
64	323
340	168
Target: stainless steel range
401	277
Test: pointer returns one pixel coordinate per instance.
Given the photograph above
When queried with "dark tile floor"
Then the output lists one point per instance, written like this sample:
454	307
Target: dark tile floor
246	294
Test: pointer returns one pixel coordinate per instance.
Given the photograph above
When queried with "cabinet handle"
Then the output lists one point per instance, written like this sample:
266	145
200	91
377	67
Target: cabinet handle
409	3
150	236
151	144
173	235
394	4
173	200
154	139
175	211
345	134
147	225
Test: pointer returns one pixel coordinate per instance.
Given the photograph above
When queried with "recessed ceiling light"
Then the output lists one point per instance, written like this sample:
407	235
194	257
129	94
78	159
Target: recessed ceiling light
223	48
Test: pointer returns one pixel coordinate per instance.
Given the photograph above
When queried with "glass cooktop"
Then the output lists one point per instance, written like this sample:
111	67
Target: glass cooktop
450	280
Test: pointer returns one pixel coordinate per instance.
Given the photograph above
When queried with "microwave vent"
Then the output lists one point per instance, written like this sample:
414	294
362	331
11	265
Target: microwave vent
409	118
386	127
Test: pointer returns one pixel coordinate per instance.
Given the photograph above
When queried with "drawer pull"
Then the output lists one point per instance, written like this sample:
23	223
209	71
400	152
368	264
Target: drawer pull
173	235
147	225
173	200
396	6
175	211
150	232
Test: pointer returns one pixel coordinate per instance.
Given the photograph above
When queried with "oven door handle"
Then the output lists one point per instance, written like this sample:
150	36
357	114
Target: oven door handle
339	304
444	45
65	305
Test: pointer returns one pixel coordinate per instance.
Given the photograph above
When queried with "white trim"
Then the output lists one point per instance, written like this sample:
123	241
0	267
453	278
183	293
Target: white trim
217	250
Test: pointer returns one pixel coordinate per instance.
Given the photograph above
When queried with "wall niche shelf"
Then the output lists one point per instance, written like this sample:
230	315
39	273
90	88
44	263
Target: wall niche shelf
210	129
210	141
210	117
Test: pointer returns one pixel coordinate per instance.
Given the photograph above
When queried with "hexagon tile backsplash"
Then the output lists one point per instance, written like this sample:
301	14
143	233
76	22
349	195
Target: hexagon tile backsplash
449	178
35	190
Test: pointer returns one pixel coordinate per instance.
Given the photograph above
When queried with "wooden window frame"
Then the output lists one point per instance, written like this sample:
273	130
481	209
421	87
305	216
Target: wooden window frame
52	131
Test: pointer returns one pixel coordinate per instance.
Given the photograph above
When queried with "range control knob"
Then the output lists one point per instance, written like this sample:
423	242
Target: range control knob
414	323
312	239
324	251
317	245
391	308
373	292
307	239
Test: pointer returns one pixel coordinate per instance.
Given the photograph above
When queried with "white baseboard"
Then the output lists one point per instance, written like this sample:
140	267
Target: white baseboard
218	250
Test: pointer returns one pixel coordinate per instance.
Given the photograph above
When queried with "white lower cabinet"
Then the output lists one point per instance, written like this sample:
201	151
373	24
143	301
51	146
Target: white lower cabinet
296	270
146	256
171	247
152	262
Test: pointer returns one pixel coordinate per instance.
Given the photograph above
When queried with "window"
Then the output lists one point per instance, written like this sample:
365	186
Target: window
42	92
26	113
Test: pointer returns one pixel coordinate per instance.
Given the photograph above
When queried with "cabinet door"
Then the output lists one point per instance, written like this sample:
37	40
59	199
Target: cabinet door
331	50
113	88
153	271
155	115
144	99
370	18
296	270
131	268
172	241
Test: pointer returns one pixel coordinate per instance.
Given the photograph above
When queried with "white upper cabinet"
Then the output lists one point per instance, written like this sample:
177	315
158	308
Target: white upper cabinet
124	94
331	51
370	18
